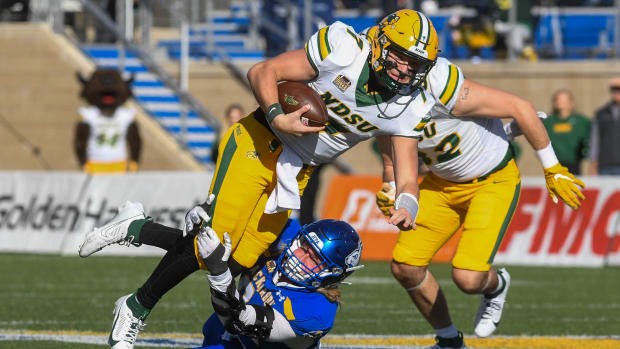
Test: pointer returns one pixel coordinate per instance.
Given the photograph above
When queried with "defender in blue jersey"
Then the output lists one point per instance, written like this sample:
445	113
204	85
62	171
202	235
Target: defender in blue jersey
286	302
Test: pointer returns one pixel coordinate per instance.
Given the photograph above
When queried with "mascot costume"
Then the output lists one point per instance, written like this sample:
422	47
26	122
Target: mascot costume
106	129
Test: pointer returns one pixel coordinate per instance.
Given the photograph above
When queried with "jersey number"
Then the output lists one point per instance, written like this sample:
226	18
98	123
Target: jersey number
103	139
448	147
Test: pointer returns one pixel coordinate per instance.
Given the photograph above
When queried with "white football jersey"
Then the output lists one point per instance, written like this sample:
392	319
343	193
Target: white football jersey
107	141
458	149
340	59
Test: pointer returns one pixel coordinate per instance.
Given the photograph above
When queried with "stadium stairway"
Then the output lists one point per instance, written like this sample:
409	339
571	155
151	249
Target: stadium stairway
159	101
230	34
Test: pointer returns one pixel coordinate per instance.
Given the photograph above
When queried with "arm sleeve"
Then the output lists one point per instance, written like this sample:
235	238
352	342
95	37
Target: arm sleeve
333	47
446	81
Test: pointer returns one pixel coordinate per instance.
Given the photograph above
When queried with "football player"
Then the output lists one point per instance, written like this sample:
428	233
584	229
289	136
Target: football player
290	298
287	302
474	182
369	90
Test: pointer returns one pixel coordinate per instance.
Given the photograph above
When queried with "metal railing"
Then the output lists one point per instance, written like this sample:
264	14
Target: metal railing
124	35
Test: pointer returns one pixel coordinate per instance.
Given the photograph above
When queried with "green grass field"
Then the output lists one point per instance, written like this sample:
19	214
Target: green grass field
52	293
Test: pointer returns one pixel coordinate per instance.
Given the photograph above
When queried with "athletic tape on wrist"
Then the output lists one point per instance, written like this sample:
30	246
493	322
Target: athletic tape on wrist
273	111
409	203
547	156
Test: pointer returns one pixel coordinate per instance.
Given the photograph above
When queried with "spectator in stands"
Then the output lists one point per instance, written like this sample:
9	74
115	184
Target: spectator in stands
568	130
106	129
14	10
234	113
605	135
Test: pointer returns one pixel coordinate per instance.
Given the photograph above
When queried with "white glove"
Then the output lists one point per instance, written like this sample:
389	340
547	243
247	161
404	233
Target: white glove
211	250
196	216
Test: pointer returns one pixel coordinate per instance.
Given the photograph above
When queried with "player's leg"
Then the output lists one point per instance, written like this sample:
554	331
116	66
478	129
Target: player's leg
241	189
261	230
245	170
490	210
436	223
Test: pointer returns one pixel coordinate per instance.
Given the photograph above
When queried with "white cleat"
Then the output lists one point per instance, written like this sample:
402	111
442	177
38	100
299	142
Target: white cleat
113	232
126	326
490	309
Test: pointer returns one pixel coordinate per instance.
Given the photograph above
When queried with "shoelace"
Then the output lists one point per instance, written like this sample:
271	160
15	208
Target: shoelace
491	307
134	330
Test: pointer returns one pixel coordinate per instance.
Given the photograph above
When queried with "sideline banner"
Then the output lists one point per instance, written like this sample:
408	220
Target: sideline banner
541	232
50	212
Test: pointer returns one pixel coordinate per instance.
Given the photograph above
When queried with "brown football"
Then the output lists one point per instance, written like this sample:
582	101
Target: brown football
293	95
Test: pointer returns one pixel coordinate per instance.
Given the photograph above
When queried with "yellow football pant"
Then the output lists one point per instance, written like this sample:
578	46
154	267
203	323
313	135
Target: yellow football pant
244	177
484	207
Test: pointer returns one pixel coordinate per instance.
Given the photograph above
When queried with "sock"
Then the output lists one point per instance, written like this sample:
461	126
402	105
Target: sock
136	308
177	264
501	283
133	231
447	332
155	234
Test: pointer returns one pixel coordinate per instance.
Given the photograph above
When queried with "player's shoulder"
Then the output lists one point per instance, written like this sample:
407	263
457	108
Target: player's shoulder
444	80
337	44
310	313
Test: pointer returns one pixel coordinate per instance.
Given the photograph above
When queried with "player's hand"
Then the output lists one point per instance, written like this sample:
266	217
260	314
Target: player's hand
291	123
211	250
385	198
195	217
402	219
562	184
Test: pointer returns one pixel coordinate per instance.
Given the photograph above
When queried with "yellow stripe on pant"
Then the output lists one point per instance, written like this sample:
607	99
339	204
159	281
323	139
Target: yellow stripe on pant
244	177
484	208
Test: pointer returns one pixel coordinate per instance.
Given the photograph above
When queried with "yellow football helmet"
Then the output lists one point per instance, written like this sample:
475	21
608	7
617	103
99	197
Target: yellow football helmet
411	34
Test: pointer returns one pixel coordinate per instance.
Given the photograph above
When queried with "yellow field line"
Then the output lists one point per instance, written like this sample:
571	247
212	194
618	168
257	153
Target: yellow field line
520	342
505	342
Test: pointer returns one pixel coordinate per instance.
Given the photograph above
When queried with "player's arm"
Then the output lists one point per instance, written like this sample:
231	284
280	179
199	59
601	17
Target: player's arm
263	78
236	316
387	194
404	157
475	99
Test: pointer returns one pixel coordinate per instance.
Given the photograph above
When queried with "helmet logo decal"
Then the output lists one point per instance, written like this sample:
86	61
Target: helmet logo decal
315	239
391	19
353	259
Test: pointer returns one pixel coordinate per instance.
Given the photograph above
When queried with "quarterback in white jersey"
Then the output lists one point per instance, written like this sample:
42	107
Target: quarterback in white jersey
474	183
370	89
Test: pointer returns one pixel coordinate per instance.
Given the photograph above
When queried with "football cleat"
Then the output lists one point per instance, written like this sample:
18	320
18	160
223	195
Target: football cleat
449	343
113	232
126	325
490	309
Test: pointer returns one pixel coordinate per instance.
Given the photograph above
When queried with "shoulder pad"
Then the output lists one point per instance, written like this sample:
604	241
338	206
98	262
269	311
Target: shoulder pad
335	45
445	81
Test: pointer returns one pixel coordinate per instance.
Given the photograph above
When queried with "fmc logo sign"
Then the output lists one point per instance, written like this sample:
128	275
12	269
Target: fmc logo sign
541	232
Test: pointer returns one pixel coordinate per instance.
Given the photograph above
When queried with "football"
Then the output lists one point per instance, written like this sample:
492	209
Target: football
293	95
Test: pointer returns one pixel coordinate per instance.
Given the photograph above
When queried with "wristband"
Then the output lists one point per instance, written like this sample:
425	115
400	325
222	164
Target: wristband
393	184
409	202
547	156
273	111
